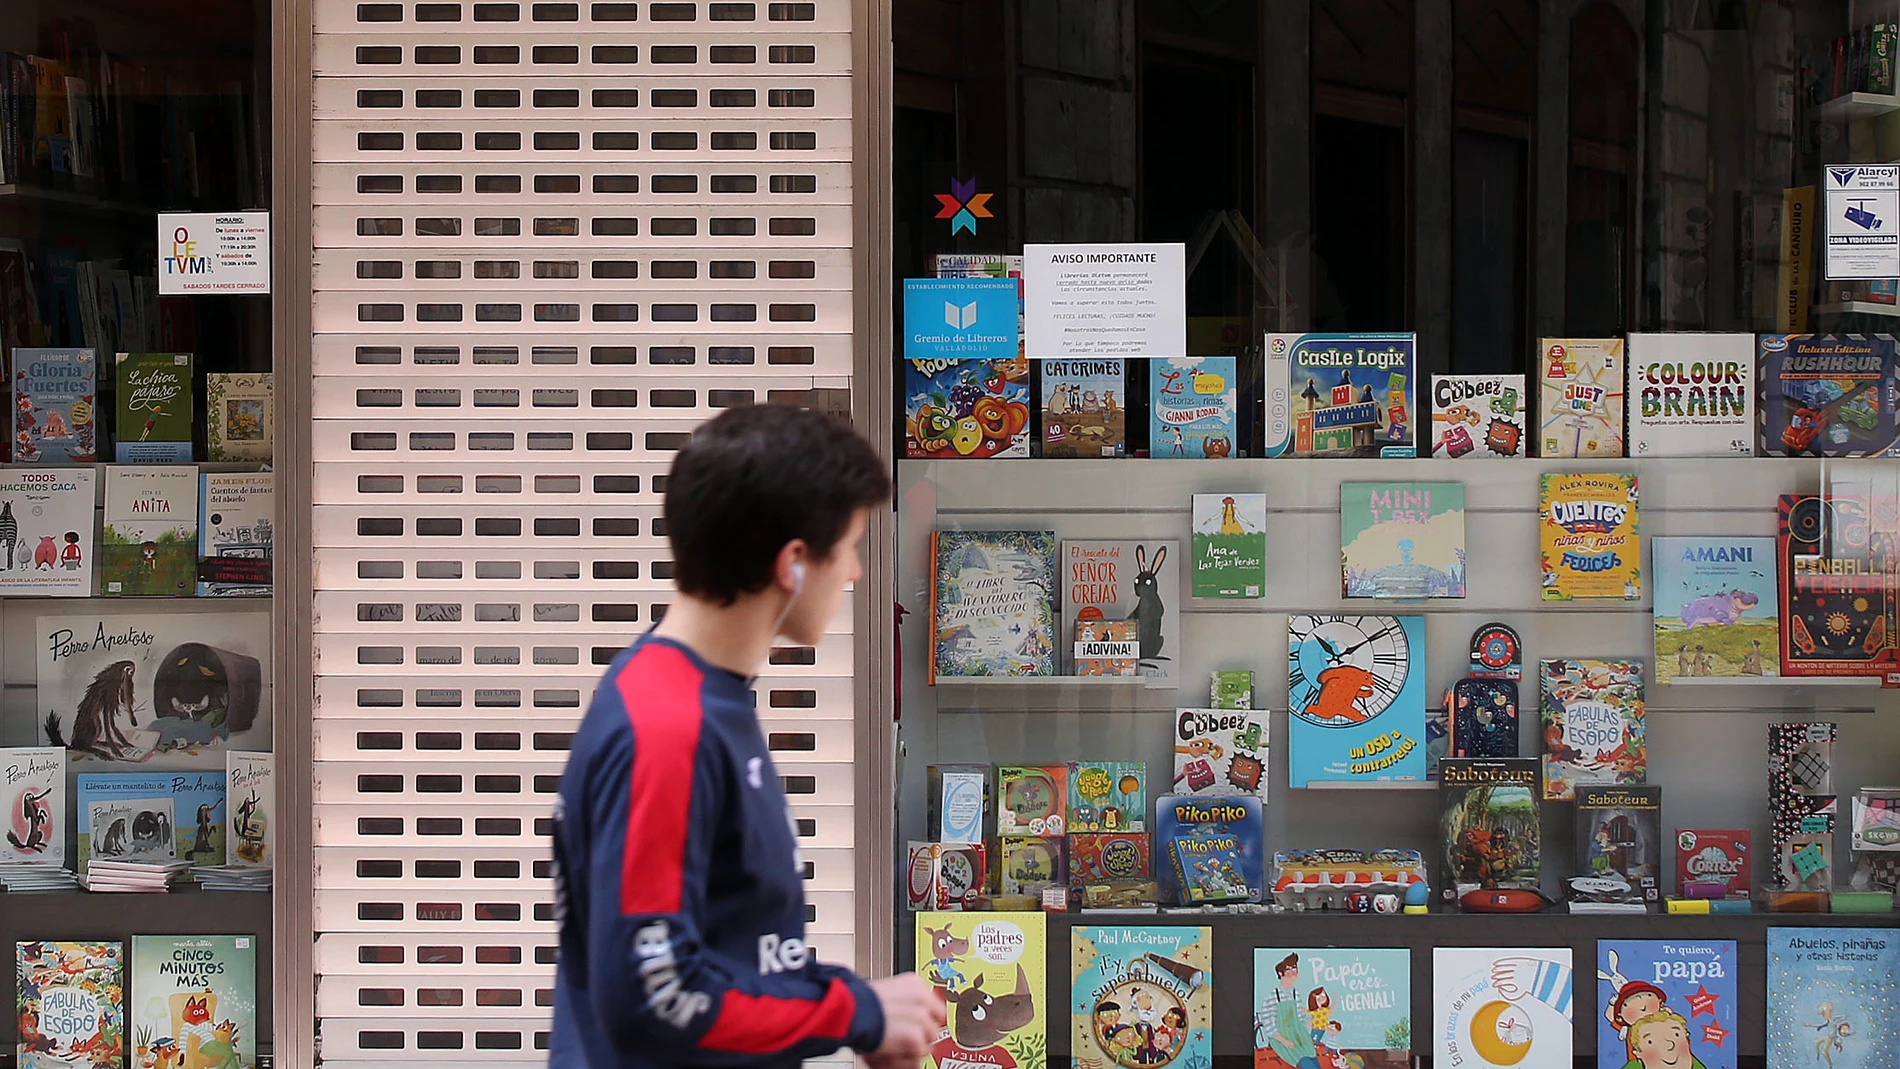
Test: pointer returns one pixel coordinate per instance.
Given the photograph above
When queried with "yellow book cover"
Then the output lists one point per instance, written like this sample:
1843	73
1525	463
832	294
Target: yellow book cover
992	971
1141	996
1587	540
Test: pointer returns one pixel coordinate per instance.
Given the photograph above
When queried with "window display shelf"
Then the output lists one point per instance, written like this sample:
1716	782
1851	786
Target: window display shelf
1859	106
1858	308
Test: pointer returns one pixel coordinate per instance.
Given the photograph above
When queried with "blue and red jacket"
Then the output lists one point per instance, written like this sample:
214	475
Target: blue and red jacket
682	900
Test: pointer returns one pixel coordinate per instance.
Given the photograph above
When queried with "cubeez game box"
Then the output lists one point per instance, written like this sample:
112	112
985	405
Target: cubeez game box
1209	850
1341	395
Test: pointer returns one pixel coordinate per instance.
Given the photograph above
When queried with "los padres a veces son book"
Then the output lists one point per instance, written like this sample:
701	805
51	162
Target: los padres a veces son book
993	603
991	969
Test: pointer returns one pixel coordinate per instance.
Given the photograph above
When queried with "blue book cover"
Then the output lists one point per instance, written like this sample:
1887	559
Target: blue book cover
1717	615
1208	850
198	814
125	816
1356	695
1340	395
1831	997
1192	408
55	406
1332	1006
1666	1002
1141	997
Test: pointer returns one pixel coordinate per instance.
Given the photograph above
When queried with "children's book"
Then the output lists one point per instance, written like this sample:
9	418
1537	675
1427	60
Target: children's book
47	516
1483	714
1345	1006
966	409
1356	691
1108	796
71	1003
1478	416
1587	540
1340	395
1715	856
992	971
235	527
1107	648
1716	608
1127	580
1230	545
250	802
1495	1007
1488	822
1828	395
992	606
1192	407
155	413
1667	1002
1839	567
55	414
1619	849
125	816
1220	752
151	531
1084	408
199	994
1692	395
198	807
33	789
241	426
1141	997
1831	997
1209	850
1595	731
1580	384
160	690
1402	540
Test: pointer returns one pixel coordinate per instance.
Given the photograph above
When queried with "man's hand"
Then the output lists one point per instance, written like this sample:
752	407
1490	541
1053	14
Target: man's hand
913	1019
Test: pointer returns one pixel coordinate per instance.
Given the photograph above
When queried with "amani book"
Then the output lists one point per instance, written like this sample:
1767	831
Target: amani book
70	998
1230	545
55	413
1351	1006
1402	540
1671	1001
151	531
1716	608
199	994
1141	996
155	411
47	516
993	603
1356	695
1587	539
991	969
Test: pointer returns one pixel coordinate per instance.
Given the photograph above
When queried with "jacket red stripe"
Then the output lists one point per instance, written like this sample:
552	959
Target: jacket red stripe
761	1024
660	690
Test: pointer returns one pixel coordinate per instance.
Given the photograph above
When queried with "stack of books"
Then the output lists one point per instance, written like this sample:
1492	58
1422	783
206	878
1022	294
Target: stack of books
151	877
231	878
27	877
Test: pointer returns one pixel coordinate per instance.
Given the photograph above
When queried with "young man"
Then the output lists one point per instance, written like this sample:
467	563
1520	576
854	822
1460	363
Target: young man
681	896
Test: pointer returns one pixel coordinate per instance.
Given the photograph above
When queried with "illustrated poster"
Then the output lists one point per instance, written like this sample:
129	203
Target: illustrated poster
1332	1006
1141	997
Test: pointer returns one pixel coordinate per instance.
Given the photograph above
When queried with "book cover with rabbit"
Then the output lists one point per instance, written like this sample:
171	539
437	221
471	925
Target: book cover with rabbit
194	1000
1137	580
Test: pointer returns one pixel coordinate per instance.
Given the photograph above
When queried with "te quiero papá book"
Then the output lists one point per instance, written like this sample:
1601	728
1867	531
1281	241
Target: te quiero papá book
1667	1002
991	969
1340	395
1717	609
155	408
1587	537
1141	997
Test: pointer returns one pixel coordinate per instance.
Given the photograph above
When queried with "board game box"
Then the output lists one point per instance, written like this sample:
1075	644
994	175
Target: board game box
1691	395
1839	568
1209	850
1478	416
1580	397
1340	395
1705	855
1489	824
1084	408
1828	395
1619	848
1220	752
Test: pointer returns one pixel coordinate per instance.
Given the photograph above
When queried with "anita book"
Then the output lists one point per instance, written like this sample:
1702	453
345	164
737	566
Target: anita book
1402	540
151	531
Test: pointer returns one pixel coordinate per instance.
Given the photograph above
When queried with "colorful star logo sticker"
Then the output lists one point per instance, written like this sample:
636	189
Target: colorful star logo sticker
1703	1001
963	206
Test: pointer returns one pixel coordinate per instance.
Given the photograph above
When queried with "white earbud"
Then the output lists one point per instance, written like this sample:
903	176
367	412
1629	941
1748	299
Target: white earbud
798	577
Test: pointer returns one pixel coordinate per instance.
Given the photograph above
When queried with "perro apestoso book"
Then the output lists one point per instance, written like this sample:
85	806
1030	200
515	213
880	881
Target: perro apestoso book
1230	545
1717	608
1580	395
1595	728
1141	997
1402	540
1340	395
1587	538
1356	696
1338	1006
1831	995
55	406
250	801
1220	752
196	995
1126	580
1502	1007
33	790
70	999
993	603
1084	408
1209	850
1478	417
1667	1002
991	969
1192	407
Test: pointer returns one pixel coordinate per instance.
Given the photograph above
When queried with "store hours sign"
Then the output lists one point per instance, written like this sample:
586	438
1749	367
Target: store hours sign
213	252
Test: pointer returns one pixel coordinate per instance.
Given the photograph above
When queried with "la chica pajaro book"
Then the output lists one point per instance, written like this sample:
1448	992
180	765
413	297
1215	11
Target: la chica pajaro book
1141	997
1346	1007
70	998
1502	1007
991	970
1839	563
195	996
1716	608
1357	698
1209	850
1831	997
1667	1003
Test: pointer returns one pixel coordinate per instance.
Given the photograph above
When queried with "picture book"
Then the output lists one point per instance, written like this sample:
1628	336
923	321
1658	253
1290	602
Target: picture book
47	516
235	527
1192	407
1102	857
197	993
199	815
1084	408
993	603
1107	648
1692	395
1484	718
1587	540
1619	848
1714	856
1495	1007
992	971
55	399
1035	800
250	792
1838	559
1478	416
966	409
160	690
1580	384
125	816
1829	395
1230	545
241	419
1831	994
33	789
1108	796
1125	580
1716	610
1141	997
1356	692
1209	850
1595	731
155	413
71	1003
1667	1002
1030	864
1402	540
1220	752
150	543
1340	395
1488	823
1342	1006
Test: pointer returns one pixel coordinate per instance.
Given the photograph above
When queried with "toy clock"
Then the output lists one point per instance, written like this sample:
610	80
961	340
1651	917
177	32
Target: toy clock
1345	669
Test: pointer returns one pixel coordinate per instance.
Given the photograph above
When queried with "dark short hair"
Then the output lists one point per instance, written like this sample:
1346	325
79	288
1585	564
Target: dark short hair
755	478
1287	965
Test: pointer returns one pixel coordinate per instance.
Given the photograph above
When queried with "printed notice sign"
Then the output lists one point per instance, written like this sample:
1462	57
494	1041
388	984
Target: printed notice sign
1863	220
960	319
1105	300
214	252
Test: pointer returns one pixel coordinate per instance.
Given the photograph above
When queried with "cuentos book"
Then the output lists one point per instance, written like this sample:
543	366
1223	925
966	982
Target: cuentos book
1137	580
1502	1006
1343	1006
1587	537
242	416
33	790
125	816
1084	408
1230	545
235	531
150	531
993	603
1838	559
1619	850
1356	695
1221	752
1828	395
1478	417
1667	1002
250	806
1141	995
1595	725
1402	540
47	517
1209	850
992	971
1488	824
1340	395
55	414
1691	395
1831	996
154	690
1580	397
70	1001
197	995
1717	608
154	408
1715	855
1193	410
